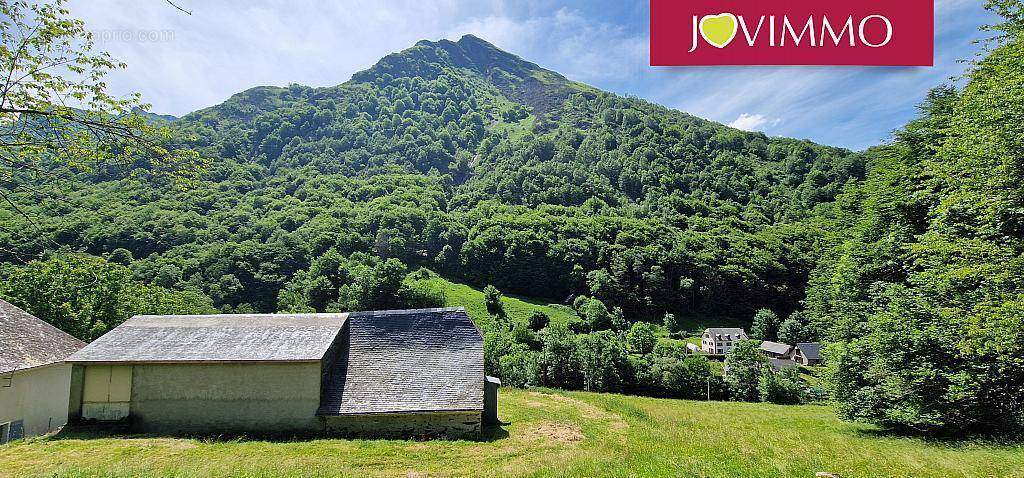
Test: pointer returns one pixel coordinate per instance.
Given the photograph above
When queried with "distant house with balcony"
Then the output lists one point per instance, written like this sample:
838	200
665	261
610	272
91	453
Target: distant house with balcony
721	340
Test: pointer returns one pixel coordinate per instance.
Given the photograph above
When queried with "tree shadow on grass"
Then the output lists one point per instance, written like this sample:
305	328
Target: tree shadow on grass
948	440
118	430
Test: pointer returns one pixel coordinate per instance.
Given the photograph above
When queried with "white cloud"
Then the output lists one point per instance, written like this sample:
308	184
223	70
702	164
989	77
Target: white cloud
226	47
753	122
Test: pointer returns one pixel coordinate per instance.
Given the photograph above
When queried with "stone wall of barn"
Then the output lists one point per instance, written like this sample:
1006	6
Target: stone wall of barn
404	425
34	401
261	398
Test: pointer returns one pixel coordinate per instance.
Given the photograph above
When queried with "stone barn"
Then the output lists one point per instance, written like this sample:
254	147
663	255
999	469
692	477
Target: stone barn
33	376
386	373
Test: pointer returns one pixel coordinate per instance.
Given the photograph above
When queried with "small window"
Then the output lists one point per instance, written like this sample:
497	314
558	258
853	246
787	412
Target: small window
5	433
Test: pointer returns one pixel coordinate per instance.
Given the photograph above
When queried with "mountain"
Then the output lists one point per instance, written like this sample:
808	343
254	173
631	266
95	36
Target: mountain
469	160
542	91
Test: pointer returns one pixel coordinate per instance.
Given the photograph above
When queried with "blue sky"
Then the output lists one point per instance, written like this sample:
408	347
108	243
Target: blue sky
181	62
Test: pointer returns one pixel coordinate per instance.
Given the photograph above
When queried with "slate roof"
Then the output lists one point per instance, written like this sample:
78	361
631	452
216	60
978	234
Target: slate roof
406	361
27	342
811	350
216	338
775	347
733	333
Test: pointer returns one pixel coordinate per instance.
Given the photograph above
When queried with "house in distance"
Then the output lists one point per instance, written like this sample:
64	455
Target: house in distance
33	376
807	353
386	373
721	340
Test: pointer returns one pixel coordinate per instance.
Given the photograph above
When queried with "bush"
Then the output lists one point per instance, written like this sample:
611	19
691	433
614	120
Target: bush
782	388
520	367
539	320
795	330
492	299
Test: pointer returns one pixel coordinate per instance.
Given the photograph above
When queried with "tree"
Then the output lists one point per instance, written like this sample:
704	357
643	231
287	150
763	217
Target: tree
744	366
782	388
54	98
559	361
538	320
602	359
795	330
765	326
641	338
520	367
672	323
86	296
492	299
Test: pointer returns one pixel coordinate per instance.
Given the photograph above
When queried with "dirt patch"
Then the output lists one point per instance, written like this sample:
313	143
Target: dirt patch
557	432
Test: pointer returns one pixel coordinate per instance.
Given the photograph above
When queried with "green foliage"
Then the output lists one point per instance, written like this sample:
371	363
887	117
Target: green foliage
492	299
795	330
334	283
672	323
922	289
641	339
744	367
520	367
782	388
56	110
538	320
765	325
602	361
558	358
86	296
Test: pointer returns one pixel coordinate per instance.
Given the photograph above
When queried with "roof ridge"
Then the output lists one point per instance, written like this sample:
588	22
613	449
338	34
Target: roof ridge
407	311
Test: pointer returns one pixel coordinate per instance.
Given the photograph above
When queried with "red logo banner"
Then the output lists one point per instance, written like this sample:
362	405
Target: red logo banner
792	32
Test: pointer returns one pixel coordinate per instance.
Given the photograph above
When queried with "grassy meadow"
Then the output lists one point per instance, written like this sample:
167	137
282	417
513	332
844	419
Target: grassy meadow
547	433
519	308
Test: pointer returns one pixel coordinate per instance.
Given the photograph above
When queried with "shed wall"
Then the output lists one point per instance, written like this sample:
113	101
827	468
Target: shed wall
38	397
404	425
264	398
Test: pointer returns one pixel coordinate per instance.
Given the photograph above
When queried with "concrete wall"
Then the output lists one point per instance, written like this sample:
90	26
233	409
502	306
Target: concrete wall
38	397
437	424
263	398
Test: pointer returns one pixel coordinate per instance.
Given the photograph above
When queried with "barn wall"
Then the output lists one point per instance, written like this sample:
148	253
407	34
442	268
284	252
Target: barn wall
263	398
438	424
38	397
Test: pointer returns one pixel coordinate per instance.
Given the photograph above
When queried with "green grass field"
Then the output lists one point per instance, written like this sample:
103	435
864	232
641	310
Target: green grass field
518	308
548	434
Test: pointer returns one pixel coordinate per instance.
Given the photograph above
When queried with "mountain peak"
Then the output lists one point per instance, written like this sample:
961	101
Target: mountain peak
520	80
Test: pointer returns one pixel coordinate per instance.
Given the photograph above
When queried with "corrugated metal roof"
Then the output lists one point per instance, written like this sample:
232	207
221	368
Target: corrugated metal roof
27	342
216	338
407	361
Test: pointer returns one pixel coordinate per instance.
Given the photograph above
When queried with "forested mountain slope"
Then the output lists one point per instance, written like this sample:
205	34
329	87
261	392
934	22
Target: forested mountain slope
470	160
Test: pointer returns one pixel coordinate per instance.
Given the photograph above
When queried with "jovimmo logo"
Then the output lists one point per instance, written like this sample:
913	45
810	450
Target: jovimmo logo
792	32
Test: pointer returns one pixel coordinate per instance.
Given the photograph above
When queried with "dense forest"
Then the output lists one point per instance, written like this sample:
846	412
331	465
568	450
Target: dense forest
476	164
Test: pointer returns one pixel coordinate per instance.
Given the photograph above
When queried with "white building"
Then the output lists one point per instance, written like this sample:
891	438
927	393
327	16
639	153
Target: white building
721	340
34	380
